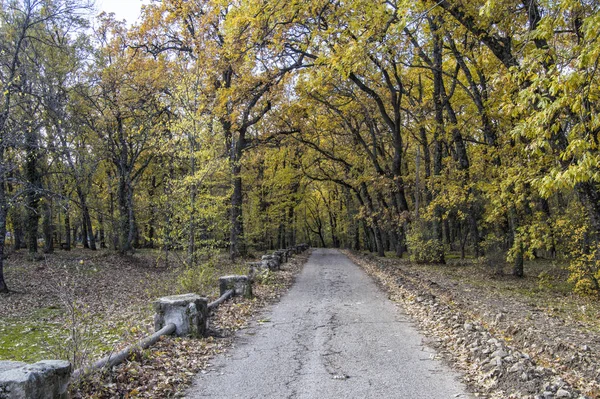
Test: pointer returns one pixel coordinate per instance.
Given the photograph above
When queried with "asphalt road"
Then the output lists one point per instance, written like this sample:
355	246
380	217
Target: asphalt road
334	335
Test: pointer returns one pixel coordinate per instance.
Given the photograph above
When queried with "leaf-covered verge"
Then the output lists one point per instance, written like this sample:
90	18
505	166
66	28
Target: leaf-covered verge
507	342
166	369
80	305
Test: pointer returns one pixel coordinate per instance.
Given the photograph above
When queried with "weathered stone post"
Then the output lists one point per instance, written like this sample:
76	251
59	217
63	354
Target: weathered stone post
189	313
48	379
240	285
271	262
282	255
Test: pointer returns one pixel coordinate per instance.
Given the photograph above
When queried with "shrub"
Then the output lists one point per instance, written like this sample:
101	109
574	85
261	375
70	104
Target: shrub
423	247
585	273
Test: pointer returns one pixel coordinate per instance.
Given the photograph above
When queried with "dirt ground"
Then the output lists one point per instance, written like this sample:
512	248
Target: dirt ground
512	338
80	305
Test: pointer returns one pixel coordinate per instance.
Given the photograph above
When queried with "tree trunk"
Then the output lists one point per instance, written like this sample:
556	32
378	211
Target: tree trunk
87	224
379	241
518	270
237	245
33	218
3	214
19	234
290	229
67	229
48	227
84	233
102	232
125	231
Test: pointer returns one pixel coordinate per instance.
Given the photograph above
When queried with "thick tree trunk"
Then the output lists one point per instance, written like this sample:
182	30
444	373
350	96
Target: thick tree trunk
89	240
84	233
19	233
291	227
237	244
33	218
369	237
102	232
34	188
48	227
3	214
125	234
518	270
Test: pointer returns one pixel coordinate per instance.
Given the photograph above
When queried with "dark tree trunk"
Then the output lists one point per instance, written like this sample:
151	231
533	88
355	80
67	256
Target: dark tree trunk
125	231
89	237
34	189
518	270
3	214
67	229
84	233
369	237
48	227
102	232
18	230
379	241
33	218
114	237
290	229
237	244
518	262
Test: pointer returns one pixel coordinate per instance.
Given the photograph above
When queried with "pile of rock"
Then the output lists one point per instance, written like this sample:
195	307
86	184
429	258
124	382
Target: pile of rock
490	363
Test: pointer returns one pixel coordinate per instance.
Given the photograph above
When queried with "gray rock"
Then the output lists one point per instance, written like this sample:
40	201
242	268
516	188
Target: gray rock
282	253
239	284
48	379
468	327
515	368
271	262
561	393
500	353
188	312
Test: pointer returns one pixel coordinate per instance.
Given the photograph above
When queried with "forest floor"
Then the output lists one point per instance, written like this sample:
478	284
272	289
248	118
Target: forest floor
86	304
511	337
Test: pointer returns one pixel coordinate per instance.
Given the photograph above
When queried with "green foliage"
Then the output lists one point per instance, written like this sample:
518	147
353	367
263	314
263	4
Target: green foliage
422	246
200	279
265	276
585	273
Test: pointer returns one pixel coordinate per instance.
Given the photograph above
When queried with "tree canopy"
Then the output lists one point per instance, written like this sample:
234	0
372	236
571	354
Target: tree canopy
413	127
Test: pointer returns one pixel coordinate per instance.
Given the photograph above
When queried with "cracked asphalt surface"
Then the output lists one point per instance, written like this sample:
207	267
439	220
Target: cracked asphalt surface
335	334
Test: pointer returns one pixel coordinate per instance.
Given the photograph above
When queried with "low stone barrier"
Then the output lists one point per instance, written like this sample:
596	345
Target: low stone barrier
48	379
271	262
253	269
240	285
182	315
189	313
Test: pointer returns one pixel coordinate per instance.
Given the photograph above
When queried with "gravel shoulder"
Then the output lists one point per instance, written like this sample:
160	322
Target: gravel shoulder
507	344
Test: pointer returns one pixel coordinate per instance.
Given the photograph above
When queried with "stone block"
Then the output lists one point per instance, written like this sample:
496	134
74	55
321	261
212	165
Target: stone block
302	247
271	262
47	379
189	313
282	253
241	285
